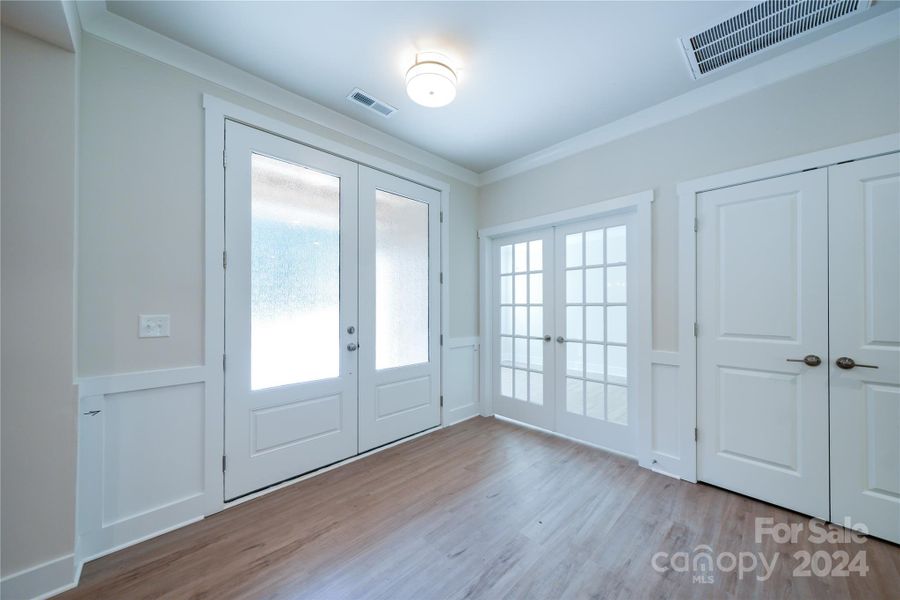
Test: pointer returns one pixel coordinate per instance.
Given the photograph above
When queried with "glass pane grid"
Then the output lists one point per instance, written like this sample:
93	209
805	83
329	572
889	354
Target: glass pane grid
521	296
596	324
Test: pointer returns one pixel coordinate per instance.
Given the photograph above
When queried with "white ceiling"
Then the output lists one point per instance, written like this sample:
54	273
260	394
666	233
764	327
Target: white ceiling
534	73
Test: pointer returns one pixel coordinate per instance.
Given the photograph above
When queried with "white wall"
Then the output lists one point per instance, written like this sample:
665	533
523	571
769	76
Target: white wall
141	211
851	100
38	258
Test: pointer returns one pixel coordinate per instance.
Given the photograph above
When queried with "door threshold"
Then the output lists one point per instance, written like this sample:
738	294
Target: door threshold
565	437
309	474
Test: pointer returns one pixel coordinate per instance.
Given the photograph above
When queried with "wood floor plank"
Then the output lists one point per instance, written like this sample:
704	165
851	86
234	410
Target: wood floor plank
484	509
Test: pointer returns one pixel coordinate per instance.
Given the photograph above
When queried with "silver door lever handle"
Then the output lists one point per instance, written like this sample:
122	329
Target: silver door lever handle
845	362
811	360
547	338
352	347
560	339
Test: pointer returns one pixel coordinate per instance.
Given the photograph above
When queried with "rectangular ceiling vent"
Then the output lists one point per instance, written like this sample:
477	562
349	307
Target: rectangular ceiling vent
763	26
360	97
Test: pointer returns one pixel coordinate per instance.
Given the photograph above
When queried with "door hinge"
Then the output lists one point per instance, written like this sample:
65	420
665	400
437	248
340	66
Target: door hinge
442	216
695	434
224	461
224	259
224	160
696	225
442	339
441	278
442	400
696	329
223	362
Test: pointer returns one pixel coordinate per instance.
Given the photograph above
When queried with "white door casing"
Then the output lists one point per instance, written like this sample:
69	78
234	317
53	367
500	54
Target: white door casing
523	325
399	316
762	282
864	302
294	410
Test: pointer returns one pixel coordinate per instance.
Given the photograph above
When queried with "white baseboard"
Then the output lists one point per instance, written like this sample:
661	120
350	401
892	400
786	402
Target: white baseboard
458	416
41	581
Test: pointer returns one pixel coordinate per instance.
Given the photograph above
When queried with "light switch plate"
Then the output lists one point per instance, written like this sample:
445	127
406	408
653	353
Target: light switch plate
152	326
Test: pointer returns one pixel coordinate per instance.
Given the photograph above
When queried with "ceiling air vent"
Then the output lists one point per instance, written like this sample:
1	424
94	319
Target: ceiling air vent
358	96
763	26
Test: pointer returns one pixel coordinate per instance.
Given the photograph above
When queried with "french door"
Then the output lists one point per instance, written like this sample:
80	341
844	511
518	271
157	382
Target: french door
331	331
563	322
595	296
799	342
523	328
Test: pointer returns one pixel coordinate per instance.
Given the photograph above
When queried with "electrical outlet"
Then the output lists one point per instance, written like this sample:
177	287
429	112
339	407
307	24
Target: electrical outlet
152	326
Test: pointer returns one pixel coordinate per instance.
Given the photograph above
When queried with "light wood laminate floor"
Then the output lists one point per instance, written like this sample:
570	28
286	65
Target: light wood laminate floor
483	509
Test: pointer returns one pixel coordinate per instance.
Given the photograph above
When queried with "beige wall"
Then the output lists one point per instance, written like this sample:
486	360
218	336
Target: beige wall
141	211
848	101
38	226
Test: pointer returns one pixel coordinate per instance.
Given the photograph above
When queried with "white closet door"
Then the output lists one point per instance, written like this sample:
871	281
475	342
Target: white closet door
762	284
523	328
290	290
864	200
595	332
399	316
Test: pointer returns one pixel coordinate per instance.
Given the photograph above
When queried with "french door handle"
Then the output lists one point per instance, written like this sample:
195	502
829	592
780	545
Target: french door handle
845	362
560	339
811	360
352	347
547	337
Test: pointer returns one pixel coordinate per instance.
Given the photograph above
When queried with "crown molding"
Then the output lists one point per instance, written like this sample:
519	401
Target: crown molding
96	20
842	44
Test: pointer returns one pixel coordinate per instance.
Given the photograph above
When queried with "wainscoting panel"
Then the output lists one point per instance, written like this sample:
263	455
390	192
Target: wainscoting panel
660	438
142	457
461	385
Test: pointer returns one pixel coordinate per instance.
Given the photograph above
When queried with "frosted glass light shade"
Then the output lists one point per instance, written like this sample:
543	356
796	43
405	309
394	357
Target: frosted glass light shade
430	82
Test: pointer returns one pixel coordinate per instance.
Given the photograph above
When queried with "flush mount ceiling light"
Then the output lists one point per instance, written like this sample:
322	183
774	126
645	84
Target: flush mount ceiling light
431	82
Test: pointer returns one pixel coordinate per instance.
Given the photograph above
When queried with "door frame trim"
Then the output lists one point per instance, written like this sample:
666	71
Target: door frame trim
687	264
640	203
216	112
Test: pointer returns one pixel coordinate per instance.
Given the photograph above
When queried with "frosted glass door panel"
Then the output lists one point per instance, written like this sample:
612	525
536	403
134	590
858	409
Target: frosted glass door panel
294	274
399	308
290	281
401	281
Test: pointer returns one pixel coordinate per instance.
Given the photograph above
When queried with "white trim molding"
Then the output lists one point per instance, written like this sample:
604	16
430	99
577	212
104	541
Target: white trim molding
687	262
842	44
97	21
42	581
640	203
141	380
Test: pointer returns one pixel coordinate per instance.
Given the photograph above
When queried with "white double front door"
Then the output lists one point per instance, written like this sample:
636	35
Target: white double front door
332	309
563	324
799	341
